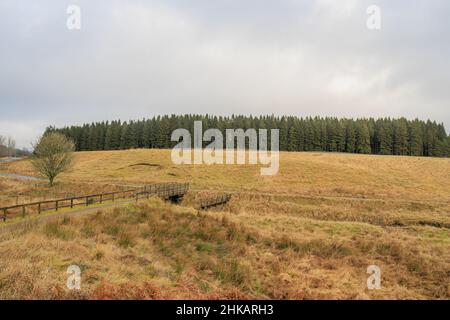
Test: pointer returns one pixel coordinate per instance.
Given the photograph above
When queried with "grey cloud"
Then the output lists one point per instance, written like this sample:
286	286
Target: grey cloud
139	58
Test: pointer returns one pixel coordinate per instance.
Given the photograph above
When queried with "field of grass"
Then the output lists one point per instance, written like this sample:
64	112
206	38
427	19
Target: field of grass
308	233
351	175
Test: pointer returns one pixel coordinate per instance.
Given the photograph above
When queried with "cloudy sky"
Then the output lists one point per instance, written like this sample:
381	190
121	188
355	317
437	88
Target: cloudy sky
134	59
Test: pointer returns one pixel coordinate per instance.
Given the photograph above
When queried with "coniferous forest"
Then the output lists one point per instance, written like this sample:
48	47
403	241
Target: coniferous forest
383	136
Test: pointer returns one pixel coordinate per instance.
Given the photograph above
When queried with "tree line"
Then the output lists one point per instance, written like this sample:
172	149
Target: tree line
384	136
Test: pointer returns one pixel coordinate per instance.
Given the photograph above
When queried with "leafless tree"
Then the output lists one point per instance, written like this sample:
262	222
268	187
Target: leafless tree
3	149
11	146
53	154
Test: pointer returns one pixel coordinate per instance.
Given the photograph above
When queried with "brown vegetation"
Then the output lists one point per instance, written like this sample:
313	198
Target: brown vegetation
309	233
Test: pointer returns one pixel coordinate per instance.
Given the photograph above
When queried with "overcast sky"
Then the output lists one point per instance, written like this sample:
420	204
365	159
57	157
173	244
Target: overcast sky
134	59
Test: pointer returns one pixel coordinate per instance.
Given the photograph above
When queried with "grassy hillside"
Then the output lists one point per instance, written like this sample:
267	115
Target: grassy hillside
382	177
310	232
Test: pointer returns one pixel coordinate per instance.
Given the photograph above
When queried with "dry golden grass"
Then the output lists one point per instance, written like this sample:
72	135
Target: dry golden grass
308	233
155	250
325	174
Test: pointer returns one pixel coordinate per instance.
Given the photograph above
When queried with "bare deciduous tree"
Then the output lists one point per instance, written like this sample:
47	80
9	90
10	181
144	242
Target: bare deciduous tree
53	154
3	149
11	145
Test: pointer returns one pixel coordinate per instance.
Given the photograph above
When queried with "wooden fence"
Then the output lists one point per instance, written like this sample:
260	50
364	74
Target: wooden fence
72	191
215	201
165	190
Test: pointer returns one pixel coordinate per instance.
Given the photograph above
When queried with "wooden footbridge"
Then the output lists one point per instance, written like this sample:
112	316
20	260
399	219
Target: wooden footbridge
215	201
168	191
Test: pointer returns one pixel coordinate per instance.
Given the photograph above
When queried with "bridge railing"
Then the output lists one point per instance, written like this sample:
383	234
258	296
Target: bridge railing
215	201
164	190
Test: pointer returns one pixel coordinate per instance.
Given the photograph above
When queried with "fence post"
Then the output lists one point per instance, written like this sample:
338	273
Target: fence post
87	201
71	203
101	198
113	197
56	205
39	208
4	214
23	211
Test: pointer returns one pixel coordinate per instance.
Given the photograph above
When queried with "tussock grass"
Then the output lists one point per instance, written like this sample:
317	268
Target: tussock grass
308	233
157	251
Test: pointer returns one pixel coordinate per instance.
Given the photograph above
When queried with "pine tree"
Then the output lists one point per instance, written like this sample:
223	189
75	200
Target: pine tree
124	144
350	138
93	138
340	136
109	138
385	137
147	134
415	139
292	139
331	136
114	132
301	135
446	147
283	134
165	133
441	143
84	139
362	138
132	135
400	137
317	138
309	136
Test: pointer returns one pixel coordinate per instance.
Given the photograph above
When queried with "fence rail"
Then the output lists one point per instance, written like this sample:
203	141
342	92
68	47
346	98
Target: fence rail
215	201
171	191
165	190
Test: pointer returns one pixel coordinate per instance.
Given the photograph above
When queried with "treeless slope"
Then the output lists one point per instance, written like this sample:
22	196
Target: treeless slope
325	174
158	251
